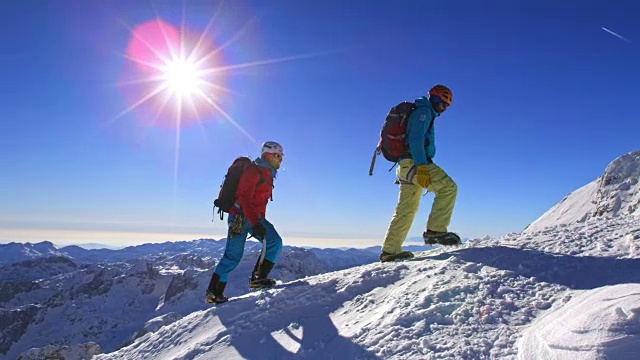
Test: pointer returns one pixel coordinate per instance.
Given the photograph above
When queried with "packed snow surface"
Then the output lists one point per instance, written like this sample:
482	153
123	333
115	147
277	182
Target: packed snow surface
494	298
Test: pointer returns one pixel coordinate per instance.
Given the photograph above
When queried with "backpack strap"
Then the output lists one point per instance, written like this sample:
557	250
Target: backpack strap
429	161
262	180
220	213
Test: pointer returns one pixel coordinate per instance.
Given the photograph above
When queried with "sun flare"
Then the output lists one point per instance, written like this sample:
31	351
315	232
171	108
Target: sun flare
175	78
183	78
169	79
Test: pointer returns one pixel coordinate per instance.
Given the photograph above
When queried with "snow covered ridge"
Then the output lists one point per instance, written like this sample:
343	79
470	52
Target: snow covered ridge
496	298
56	298
572	291
615	193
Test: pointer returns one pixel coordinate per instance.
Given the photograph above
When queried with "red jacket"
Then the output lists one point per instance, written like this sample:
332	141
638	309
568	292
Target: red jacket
254	191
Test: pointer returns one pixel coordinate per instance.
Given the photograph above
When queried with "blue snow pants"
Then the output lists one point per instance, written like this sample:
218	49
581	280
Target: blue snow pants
271	247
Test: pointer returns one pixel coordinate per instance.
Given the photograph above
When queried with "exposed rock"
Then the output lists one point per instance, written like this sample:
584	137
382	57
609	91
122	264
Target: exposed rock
51	352
619	192
143	267
9	289
14	324
180	283
39	268
97	285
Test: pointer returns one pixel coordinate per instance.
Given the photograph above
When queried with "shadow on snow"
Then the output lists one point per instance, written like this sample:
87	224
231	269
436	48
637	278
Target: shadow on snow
575	272
251	322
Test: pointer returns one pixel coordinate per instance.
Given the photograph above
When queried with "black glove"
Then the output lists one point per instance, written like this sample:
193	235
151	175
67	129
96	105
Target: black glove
258	231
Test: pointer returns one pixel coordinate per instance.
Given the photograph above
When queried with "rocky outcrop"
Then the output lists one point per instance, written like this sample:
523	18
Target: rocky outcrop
50	352
39	268
9	289
14	323
619	191
181	283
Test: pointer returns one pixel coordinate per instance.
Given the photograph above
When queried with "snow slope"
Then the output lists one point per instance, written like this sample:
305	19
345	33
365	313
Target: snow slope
603	323
495	298
613	194
575	207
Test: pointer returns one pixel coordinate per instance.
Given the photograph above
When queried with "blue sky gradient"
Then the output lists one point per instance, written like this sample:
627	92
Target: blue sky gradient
543	101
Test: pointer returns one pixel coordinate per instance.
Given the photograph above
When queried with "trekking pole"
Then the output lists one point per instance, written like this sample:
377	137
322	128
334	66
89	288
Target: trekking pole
376	152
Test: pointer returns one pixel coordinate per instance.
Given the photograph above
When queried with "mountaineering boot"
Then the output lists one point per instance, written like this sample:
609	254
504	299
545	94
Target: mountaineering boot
385	256
259	279
441	238
214	294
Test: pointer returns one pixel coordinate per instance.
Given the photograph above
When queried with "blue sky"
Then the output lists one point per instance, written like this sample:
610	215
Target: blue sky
543	101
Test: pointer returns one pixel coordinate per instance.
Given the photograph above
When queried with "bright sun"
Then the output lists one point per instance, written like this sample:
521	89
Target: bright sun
172	76
176	77
183	78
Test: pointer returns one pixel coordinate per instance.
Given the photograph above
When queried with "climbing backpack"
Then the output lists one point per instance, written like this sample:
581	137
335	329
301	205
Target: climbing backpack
227	196
392	143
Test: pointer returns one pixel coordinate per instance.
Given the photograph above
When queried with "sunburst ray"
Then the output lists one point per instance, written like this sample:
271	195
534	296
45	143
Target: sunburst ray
181	70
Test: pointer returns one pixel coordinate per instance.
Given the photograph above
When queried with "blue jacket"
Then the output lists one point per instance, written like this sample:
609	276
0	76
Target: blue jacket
421	137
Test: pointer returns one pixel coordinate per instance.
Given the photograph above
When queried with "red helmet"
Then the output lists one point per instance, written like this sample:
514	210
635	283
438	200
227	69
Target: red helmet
443	93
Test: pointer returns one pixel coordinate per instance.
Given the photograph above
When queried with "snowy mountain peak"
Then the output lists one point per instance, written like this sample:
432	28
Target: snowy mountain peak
13	252
619	192
616	193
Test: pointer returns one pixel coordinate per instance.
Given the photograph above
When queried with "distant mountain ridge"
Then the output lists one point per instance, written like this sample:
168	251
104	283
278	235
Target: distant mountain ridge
16	252
13	251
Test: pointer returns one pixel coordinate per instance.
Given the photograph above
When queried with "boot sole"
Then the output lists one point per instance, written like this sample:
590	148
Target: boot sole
401	256
257	287
451	239
208	301
434	242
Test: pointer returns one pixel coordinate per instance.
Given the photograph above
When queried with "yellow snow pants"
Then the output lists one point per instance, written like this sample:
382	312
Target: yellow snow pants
445	190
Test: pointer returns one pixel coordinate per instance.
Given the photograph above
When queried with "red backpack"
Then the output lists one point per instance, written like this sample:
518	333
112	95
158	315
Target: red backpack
392	143
229	187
